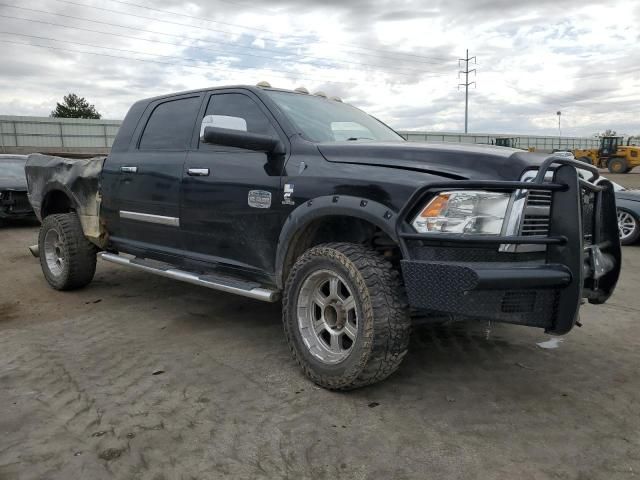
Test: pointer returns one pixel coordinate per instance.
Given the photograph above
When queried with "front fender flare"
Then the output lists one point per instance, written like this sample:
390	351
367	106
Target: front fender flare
331	205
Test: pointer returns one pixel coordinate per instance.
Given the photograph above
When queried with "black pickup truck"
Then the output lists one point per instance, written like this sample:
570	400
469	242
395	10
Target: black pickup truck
276	194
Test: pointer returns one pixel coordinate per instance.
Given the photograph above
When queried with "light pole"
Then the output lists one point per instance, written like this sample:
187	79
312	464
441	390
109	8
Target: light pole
559	113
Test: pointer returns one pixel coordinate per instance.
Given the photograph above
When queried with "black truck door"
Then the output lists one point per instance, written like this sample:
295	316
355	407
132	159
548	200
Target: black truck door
148	179
231	208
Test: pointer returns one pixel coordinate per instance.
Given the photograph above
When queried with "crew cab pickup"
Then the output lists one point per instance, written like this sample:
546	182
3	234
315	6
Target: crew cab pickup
282	195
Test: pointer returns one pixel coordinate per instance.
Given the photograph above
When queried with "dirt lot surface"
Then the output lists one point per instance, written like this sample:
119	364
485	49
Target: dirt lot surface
138	376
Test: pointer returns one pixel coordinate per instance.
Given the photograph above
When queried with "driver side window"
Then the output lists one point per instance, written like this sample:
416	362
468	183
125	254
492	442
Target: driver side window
234	111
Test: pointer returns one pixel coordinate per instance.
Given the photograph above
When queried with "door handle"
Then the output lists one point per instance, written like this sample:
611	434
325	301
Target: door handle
129	169
198	172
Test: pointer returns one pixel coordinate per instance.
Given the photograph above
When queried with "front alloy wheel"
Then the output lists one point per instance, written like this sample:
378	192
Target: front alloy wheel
327	316
345	316
628	227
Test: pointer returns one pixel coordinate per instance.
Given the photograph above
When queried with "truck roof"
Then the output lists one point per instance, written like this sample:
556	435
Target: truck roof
252	88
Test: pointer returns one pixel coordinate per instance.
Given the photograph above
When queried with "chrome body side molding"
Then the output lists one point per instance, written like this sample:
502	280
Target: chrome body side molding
147	217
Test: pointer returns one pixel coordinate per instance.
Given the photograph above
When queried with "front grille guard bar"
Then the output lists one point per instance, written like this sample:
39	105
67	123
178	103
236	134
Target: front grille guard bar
538	183
588	277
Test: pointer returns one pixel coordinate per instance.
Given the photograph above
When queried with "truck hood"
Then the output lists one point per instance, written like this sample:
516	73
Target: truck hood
455	161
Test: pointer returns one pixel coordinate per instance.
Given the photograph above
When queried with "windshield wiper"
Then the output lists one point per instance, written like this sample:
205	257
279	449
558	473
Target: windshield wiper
353	139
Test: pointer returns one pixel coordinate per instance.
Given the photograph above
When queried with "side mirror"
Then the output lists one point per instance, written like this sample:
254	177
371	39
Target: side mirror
242	139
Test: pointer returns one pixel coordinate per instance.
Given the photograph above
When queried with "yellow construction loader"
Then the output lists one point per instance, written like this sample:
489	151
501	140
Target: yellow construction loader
612	154
511	142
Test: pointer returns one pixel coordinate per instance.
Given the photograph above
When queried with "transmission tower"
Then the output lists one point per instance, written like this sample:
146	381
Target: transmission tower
466	84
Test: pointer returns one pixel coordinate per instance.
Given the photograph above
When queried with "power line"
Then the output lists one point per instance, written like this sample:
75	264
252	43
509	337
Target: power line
466	84
194	46
137	52
270	32
215	69
405	71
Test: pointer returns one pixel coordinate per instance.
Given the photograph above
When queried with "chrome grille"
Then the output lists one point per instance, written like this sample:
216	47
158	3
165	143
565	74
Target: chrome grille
540	198
535	221
588	215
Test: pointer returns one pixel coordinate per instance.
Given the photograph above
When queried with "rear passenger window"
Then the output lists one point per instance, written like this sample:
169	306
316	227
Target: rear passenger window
170	125
235	111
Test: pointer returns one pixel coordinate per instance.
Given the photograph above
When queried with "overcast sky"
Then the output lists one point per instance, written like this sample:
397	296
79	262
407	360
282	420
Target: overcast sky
398	60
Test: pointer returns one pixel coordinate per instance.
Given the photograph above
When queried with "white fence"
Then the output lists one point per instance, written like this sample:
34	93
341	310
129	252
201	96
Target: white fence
59	135
542	143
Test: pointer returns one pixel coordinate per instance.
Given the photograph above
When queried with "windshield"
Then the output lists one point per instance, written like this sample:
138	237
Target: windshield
322	120
12	168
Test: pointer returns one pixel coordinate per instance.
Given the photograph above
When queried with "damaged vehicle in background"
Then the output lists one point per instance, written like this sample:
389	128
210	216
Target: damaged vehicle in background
270	193
14	202
627	209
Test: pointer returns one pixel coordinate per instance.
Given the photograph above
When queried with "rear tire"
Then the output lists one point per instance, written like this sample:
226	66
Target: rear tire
345	316
618	165
67	258
586	160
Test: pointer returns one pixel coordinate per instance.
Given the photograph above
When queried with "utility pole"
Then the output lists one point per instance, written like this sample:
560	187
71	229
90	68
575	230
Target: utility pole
466	84
559	113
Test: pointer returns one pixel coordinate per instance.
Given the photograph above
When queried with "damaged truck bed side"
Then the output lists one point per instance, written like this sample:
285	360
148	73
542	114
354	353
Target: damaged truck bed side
272	194
58	185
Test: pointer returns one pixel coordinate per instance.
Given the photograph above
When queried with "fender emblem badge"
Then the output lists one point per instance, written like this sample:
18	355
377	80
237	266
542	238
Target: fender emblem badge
288	192
259	199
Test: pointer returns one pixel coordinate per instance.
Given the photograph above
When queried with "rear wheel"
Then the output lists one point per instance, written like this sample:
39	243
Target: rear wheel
67	258
345	316
585	160
628	226
618	165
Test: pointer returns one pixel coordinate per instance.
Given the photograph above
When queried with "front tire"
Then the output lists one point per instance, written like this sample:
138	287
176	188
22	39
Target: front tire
345	316
618	165
67	258
628	226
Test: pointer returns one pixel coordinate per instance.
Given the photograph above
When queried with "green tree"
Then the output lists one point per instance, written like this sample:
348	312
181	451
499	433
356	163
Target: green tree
74	106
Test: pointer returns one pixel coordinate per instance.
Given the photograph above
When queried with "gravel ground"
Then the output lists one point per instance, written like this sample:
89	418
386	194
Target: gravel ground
138	376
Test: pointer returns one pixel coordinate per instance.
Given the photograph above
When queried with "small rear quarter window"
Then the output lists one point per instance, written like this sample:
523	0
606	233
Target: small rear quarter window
170	125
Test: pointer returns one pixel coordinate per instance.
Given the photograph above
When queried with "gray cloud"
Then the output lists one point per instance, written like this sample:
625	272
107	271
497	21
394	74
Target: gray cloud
534	57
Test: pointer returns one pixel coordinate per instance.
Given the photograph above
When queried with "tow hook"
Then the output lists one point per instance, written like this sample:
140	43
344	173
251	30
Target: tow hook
599	264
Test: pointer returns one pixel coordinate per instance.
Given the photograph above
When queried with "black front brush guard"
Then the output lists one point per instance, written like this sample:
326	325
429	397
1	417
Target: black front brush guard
593	270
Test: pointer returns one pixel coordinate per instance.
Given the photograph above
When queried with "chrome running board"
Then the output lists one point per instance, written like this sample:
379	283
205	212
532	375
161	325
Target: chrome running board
215	282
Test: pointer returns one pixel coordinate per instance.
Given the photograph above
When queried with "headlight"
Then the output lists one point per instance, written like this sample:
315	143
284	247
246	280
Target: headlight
464	211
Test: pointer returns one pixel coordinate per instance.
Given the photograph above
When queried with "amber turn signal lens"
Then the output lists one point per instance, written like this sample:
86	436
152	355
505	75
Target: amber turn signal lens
436	206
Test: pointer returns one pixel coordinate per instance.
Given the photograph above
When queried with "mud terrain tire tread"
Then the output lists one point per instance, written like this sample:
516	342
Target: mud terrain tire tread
80	254
384	309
